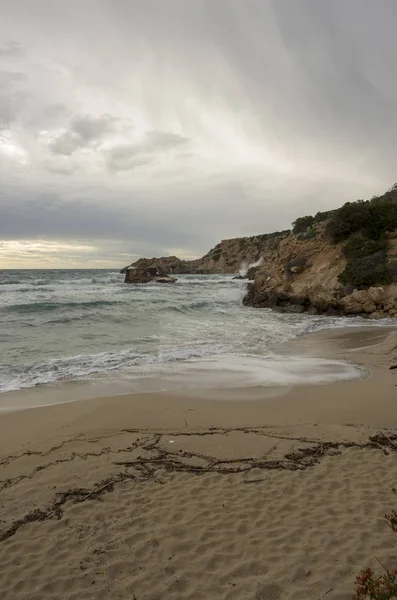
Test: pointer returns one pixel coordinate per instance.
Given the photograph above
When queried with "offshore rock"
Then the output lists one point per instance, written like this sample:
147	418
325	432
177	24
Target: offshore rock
147	274
168	265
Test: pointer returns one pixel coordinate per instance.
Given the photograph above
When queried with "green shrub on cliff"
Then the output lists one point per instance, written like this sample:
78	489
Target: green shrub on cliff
367	271
358	246
302	224
351	218
322	216
367	262
373	218
364	226
383	215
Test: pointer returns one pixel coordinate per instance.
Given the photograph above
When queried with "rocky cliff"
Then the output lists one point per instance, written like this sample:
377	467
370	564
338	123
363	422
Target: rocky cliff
338	262
238	254
169	265
305	275
341	262
229	256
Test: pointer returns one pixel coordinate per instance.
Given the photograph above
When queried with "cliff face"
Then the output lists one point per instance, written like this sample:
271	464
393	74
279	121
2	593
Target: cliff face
304	275
297	273
229	256
342	261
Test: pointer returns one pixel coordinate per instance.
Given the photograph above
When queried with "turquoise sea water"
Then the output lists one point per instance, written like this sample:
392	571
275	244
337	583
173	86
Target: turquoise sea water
64	325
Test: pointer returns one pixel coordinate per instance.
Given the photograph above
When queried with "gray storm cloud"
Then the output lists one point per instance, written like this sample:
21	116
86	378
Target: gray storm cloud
83	132
151	127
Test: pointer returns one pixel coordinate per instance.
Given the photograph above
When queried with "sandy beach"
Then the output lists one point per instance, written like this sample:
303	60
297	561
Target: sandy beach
275	494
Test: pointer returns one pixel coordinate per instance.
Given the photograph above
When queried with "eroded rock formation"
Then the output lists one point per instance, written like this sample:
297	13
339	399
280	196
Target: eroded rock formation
146	272
338	262
304	276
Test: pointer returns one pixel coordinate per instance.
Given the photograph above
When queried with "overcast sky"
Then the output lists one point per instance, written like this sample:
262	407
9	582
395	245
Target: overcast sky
151	127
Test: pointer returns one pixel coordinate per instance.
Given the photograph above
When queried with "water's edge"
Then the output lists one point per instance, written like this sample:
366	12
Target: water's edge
332	362
88	330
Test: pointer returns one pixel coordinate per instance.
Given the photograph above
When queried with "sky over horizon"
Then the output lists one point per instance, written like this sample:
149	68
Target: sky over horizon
136	128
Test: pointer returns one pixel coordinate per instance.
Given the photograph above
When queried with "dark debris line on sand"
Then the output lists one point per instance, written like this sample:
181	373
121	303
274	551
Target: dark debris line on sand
146	468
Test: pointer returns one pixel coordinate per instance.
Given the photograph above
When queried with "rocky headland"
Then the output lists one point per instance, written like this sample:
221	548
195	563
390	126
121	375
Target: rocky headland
312	275
161	269
340	262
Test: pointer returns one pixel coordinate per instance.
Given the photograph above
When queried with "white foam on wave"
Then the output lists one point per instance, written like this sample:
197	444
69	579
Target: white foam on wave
229	371
197	334
201	367
84	366
203	279
186	370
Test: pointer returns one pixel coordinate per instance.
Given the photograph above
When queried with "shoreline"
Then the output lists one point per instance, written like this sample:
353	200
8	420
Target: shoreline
43	395
151	496
342	402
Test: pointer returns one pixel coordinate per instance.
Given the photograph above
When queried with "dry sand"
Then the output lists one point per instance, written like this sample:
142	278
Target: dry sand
276	496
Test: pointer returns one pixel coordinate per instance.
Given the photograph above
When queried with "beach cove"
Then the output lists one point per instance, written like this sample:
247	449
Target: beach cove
198	300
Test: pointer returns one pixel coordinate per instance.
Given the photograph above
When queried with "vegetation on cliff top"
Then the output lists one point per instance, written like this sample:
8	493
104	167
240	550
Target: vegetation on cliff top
363	226
302	224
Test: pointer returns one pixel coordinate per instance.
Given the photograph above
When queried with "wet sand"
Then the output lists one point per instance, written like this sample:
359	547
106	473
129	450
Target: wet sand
238	494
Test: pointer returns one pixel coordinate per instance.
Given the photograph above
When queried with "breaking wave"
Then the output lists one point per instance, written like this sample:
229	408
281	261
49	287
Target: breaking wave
70	325
53	306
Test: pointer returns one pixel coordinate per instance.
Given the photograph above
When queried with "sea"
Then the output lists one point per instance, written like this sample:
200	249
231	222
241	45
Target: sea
60	326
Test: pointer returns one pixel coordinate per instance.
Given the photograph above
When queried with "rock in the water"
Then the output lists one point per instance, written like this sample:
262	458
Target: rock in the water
146	274
165	279
144	269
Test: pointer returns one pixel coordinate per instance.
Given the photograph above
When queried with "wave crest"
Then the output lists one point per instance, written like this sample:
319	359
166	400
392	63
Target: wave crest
51	306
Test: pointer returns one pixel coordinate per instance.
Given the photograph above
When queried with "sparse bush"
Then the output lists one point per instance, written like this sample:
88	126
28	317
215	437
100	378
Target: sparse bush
367	271
302	224
383	215
364	226
217	252
391	518
322	216
358	246
280	234
380	587
350	218
263	237
371	587
372	218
